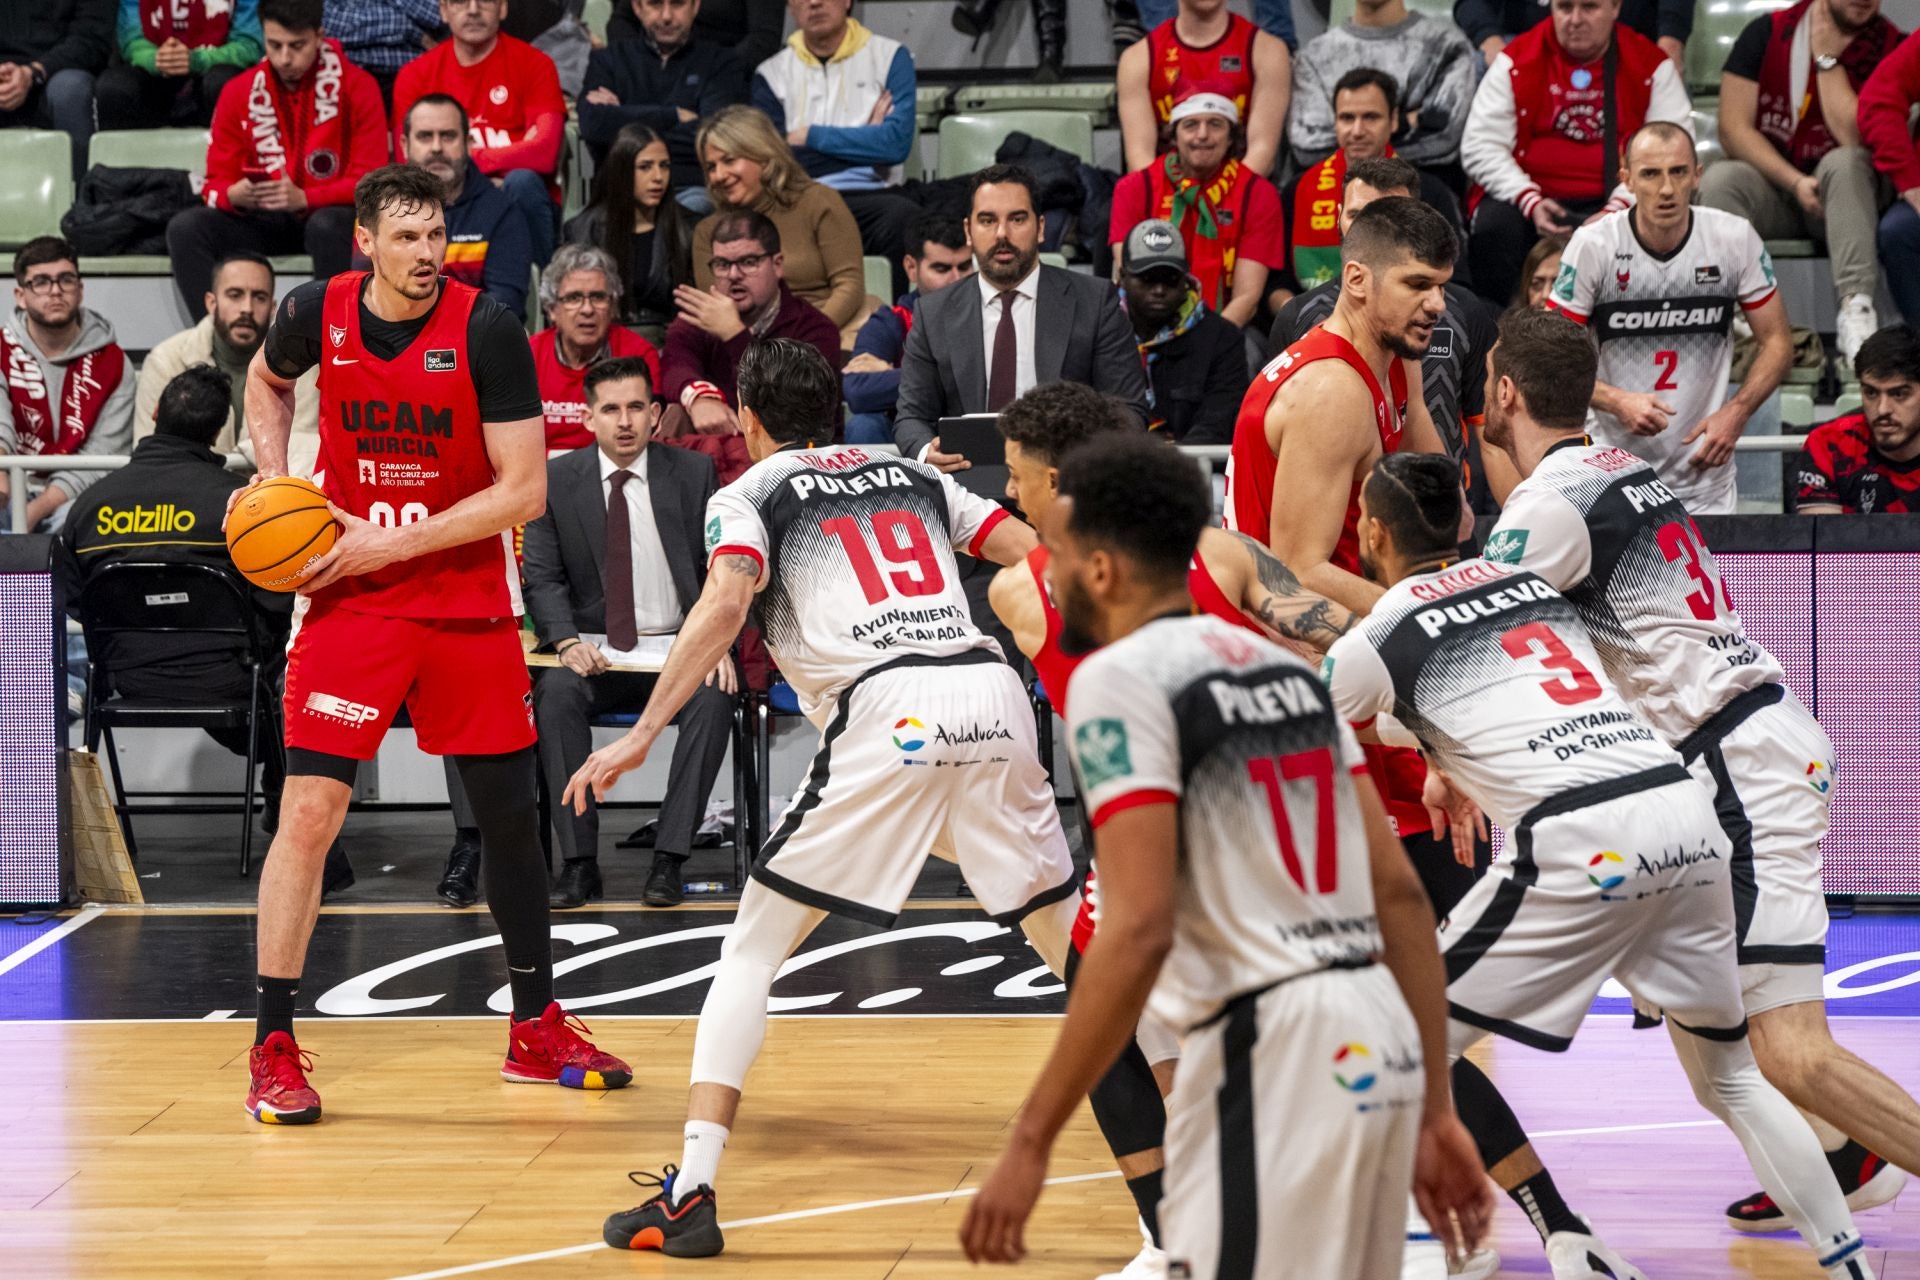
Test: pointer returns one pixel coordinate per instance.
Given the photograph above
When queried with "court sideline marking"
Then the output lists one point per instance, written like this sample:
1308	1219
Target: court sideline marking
88	914
958	1193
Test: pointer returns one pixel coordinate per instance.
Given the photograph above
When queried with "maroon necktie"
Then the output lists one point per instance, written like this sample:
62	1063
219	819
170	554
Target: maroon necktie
1006	358
621	631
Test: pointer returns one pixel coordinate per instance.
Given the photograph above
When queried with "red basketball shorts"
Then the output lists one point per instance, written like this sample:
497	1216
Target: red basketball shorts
463	681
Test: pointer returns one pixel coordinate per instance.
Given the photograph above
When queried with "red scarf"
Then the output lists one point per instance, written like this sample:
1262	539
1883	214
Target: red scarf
198	24
305	122
1316	220
1209	218
1798	130
91	380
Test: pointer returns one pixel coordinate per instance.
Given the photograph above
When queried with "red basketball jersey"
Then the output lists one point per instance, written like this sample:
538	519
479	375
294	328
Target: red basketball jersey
1224	67
401	440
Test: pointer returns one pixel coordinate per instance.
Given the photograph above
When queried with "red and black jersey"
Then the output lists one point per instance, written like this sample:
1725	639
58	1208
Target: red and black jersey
1840	466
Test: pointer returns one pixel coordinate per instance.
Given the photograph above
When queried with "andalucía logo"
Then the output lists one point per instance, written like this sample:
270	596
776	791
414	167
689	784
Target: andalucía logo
1601	870
1818	777
909	743
1353	1067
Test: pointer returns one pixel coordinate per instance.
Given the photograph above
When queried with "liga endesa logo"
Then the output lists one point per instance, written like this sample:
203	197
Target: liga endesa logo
1601	870
1353	1067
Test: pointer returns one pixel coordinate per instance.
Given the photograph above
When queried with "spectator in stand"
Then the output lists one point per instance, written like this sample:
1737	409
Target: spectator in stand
1204	44
1430	63
1196	362
68	386
1275	17
751	29
749	300
580	294
239	308
940	256
635	218
1540	128
1493	24
1229	215
517	119
668	80
1537	275
487	242
1794	165
751	168
1887	101
175	58
1869	460
620	554
382	36
1366	116
50	51
846	99
291	137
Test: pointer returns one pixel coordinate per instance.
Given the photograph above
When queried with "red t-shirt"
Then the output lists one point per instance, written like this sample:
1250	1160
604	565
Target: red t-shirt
563	396
515	114
1247	216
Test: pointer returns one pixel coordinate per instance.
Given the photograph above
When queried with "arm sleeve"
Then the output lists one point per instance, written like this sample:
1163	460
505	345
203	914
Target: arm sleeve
293	339
509	263
1126	749
840	254
917	407
1885	99
1358	680
1582	267
1814	480
1540	532
734	528
1310	128
1486	148
503	370
1749	52
1478	18
1226	385
883	144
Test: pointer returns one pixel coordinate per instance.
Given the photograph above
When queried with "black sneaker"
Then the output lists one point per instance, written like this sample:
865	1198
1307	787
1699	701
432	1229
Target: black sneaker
690	1231
1868	1180
663	882
460	887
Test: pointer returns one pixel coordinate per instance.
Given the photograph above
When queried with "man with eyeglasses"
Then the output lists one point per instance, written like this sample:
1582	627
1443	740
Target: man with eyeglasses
580	293
749	301
68	385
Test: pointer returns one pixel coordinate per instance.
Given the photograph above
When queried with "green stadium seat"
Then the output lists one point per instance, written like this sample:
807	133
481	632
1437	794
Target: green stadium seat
182	149
1796	410
1096	100
1706	131
931	101
595	16
1715	27
916	166
967	142
39	186
879	277
1794	249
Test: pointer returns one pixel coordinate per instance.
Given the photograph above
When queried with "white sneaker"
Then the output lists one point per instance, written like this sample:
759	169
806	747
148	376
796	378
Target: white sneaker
1425	1258
1856	324
1149	1264
1575	1255
1481	1264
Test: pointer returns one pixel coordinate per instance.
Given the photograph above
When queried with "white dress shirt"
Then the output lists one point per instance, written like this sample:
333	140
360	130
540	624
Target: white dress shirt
656	605
1025	302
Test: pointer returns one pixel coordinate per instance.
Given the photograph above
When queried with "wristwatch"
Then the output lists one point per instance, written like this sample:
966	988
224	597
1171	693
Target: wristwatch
1825	61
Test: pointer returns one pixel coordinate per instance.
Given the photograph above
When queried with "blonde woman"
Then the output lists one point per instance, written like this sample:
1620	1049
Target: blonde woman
749	166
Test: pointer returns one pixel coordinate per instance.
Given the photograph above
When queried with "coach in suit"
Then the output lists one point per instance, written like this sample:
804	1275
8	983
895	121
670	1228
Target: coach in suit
618	553
1017	325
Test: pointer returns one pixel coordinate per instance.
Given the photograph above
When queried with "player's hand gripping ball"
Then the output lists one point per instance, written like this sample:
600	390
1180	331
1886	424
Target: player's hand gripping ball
278	530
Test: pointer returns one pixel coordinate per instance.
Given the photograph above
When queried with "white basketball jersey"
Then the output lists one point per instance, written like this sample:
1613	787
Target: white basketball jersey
1491	669
1664	325
1603	529
1274	877
855	550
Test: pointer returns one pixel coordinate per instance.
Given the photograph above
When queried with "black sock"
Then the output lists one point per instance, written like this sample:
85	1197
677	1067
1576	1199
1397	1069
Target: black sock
274	1006
1540	1200
1146	1197
502	792
1497	1133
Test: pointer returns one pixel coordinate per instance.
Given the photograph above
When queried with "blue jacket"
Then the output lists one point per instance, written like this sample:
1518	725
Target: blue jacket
883	335
832	101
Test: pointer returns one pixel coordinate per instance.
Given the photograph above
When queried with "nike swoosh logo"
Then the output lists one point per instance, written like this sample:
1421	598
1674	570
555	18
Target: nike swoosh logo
338	360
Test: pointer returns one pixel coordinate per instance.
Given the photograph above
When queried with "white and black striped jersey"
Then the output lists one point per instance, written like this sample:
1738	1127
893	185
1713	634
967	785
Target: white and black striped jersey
1491	669
1274	879
856	561
1664	324
1598	524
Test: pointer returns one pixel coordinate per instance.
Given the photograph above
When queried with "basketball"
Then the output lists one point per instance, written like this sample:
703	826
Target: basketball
278	530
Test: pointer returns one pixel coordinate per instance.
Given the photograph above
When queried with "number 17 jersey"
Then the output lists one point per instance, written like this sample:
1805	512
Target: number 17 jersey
856	557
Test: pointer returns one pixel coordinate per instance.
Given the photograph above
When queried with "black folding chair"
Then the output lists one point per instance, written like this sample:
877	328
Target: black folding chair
131	599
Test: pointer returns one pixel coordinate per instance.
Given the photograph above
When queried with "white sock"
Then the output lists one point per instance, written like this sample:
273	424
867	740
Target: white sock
699	1158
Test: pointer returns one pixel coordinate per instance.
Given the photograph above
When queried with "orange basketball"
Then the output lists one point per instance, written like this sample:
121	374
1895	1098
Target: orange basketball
278	530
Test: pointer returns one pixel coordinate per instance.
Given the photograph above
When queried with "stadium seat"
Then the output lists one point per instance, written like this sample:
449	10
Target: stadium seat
595	16
1095	100
967	142
1794	249
931	101
1705	123
1715	27
39	187
183	149
879	277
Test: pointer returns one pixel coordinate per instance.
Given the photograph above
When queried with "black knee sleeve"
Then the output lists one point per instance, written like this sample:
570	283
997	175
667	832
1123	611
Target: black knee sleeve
1126	1102
1495	1129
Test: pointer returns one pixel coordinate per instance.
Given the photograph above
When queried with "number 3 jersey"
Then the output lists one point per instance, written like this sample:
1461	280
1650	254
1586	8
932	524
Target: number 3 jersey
856	562
1600	526
1664	325
1491	669
1274	879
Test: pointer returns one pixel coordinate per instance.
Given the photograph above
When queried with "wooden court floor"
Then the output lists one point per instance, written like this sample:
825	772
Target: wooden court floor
128	1154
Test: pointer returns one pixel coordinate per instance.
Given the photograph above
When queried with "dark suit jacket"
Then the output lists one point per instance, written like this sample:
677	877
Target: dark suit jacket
565	552
1079	333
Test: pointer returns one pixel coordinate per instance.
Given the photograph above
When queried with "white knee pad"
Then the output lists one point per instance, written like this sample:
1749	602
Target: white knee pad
733	1020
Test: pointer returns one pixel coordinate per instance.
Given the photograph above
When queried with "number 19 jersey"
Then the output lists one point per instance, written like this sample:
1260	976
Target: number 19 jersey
1664	324
856	558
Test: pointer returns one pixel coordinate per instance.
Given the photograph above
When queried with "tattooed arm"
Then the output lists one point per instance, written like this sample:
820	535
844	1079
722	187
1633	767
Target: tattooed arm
1270	594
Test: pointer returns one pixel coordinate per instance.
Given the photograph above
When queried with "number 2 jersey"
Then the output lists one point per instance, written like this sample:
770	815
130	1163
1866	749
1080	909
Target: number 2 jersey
1664	325
1491	669
1601	527
855	550
1274	878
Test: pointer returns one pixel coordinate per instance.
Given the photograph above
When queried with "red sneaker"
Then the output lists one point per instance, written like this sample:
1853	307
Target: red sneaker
553	1049
280	1092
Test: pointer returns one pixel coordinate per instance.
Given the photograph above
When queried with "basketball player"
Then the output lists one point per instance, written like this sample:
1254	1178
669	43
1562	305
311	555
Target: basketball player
1599	525
430	453
1658	282
851	556
1491	670
1233	578
1243	859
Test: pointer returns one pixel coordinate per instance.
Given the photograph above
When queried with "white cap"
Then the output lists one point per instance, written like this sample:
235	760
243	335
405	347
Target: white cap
1204	104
